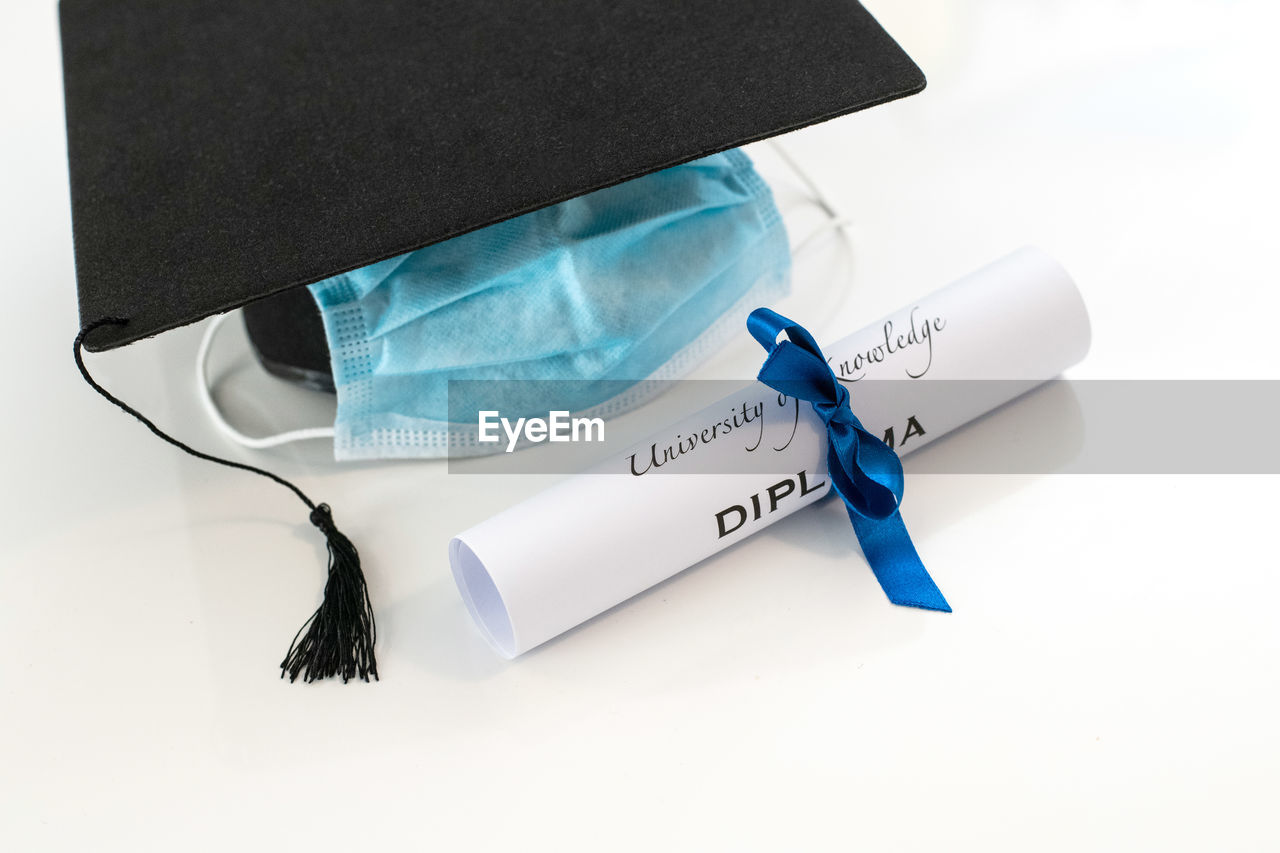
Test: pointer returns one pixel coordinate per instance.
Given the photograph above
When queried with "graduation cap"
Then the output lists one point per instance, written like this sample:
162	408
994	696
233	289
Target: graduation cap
224	151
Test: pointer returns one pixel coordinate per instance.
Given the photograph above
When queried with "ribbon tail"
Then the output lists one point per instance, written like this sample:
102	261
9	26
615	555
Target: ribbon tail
892	555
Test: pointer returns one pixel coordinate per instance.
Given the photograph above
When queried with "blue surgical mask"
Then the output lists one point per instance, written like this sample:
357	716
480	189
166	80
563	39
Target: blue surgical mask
638	281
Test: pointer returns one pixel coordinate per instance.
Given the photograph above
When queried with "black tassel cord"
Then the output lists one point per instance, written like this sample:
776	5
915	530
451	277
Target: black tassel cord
339	637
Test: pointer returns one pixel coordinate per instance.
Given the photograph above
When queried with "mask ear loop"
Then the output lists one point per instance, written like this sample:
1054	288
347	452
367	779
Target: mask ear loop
205	392
836	220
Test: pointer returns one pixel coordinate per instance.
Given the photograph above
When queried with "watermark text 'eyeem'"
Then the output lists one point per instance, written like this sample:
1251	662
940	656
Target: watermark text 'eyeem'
557	426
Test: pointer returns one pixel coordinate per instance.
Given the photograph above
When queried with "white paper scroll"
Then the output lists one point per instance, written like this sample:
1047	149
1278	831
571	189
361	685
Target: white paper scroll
572	552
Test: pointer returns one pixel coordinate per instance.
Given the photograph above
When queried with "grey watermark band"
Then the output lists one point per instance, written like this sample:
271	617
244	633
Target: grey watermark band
1058	427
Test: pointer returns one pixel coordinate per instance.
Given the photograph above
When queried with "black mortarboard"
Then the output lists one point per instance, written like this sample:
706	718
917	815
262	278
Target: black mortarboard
222	151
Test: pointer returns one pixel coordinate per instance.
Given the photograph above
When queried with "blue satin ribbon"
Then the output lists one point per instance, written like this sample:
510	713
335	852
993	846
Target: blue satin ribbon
864	470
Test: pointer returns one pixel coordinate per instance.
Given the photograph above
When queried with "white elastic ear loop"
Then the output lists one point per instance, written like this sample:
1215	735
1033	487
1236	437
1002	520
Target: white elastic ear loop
204	390
836	220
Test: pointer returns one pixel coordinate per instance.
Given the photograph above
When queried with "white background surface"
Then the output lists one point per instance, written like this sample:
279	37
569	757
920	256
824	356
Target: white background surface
1108	678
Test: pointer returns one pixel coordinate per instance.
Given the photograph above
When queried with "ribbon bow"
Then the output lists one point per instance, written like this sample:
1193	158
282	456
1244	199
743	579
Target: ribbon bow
864	470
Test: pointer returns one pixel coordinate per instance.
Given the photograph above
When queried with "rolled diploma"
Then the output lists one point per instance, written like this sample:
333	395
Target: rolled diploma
596	539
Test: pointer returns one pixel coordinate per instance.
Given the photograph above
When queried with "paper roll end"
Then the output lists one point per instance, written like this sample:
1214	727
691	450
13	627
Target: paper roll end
482	598
1040	263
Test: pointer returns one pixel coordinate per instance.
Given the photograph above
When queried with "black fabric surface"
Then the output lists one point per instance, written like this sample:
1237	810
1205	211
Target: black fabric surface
224	150
287	335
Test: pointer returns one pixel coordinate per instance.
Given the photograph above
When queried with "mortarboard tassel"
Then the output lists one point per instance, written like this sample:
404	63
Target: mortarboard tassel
339	637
